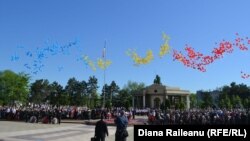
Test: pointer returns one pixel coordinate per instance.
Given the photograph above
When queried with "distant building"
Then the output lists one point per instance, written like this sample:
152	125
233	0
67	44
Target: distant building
156	94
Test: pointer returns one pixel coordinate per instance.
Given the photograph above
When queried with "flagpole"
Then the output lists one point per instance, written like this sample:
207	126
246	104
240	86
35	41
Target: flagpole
104	74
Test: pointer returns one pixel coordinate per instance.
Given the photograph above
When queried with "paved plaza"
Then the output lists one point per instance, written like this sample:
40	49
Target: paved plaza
21	131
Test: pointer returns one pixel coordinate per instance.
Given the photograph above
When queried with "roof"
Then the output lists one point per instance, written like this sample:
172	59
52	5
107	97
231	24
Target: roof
160	89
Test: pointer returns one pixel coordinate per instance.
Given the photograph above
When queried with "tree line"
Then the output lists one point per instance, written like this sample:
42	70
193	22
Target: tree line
16	88
228	96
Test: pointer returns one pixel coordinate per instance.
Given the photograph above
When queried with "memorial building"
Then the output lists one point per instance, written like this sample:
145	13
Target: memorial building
156	94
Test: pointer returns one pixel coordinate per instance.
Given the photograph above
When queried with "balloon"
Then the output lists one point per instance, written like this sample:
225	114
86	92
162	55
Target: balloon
197	60
90	63
29	54
15	57
37	56
164	49
244	75
141	60
103	64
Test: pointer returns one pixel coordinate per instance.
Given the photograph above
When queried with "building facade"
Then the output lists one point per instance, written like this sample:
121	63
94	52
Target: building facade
156	94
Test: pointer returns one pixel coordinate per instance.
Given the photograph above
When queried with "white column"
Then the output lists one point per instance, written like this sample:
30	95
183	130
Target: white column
166	97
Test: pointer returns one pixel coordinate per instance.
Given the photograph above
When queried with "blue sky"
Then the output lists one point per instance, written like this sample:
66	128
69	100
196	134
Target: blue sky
125	24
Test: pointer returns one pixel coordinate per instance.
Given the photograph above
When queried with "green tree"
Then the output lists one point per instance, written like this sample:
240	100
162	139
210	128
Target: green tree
167	104
193	101
243	91
114	89
64	98
236	101
224	101
14	87
56	94
84	92
105	96
40	91
110	93
132	87
126	93
246	103
92	90
97	101
71	89
182	105
207	100
123	99
78	92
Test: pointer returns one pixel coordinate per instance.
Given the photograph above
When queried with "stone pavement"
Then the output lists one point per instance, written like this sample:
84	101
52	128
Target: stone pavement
21	131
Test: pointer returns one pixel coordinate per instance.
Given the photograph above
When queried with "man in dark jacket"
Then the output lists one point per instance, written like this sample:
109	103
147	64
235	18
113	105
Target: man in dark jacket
101	130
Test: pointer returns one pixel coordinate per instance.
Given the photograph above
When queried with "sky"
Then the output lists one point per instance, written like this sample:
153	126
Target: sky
27	27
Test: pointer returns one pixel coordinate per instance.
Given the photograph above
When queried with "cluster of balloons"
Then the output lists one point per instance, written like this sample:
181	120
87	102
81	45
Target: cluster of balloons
165	48
192	58
197	60
138	60
15	57
35	59
101	63
244	75
89	62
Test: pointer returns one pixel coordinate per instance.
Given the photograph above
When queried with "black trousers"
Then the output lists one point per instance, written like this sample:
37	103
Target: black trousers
100	138
118	137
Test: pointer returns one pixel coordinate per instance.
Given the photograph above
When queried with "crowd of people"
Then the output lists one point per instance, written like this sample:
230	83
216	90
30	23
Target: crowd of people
48	114
199	117
32	115
155	116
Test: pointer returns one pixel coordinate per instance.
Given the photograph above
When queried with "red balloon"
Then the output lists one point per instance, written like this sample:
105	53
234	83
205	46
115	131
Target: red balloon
197	60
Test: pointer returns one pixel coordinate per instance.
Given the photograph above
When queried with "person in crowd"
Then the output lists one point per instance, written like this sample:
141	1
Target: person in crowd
89	114
133	113
59	116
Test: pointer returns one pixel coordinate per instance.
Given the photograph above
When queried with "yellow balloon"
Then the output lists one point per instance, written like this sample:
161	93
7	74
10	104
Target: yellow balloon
103	64
90	63
165	48
140	60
